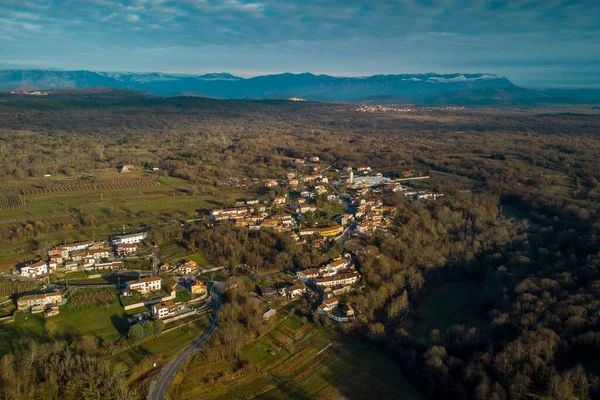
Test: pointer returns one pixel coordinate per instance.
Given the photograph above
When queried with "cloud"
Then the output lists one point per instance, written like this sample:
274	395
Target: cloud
132	18
356	36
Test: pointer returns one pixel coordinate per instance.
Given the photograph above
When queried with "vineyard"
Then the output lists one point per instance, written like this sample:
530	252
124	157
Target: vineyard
10	199
82	185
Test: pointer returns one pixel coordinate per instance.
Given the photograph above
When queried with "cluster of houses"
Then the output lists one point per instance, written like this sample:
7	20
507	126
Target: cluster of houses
376	108
166	307
326	283
87	254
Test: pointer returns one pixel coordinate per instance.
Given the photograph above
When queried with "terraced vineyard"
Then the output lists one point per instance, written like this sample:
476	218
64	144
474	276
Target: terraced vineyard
10	199
297	360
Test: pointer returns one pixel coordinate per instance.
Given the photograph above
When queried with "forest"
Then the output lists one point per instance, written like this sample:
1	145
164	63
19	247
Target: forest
520	218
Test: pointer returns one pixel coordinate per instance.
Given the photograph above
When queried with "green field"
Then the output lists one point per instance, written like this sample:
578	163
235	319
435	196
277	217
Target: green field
447	305
164	347
297	360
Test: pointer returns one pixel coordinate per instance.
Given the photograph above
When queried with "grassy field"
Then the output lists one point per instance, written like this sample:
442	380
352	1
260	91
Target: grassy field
165	346
297	360
447	305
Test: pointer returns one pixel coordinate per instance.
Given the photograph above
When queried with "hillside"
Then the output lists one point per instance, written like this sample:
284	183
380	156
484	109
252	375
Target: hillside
467	89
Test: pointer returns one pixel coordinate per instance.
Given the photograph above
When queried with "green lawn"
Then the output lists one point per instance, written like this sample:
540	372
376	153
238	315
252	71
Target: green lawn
447	305
107	321
198	259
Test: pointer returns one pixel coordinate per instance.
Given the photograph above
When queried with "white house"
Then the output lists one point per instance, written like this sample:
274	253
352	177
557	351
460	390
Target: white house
296	290
335	266
35	269
129	239
165	309
145	285
339	279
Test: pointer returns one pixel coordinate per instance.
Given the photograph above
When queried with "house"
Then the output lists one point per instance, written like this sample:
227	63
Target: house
306	194
293	182
34	269
346	219
129	239
331	231
298	161
229	213
145	285
290	175
78	255
343	279
34	300
198	288
69	248
306	274
98	253
337	265
271	183
278	201
71	265
187	268
269	314
126	249
287	221
126	168
295	291
307	231
166	309
109	265
328	305
89	261
313	159
57	259
303	209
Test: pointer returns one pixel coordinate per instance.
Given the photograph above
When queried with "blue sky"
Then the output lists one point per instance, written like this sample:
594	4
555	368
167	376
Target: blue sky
532	42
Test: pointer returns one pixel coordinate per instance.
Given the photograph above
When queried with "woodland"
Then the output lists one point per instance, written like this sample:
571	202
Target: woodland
520	217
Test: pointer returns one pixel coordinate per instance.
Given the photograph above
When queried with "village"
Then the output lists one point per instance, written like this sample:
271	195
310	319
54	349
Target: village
316	205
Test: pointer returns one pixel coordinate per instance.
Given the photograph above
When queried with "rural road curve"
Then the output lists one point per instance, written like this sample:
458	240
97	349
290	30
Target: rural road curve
160	385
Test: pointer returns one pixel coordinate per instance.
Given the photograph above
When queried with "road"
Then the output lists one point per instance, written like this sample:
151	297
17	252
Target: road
161	383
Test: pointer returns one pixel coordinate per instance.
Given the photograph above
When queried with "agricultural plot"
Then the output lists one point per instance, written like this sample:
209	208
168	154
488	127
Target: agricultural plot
10	200
297	360
68	213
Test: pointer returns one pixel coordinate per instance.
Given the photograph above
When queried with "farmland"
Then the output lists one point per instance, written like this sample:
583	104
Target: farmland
296	360
97	204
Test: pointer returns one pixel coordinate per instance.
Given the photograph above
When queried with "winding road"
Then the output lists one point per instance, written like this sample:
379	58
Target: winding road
161	383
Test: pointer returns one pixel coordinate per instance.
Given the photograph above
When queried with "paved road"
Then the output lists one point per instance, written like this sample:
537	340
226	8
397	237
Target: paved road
161	383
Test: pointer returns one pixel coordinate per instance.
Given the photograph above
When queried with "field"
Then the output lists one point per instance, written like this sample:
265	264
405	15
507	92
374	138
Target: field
97	204
164	347
447	305
297	360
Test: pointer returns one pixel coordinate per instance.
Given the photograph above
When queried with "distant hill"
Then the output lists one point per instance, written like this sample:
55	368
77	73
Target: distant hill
466	89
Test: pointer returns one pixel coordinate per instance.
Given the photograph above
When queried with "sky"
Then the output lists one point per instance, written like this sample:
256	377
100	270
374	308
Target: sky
535	43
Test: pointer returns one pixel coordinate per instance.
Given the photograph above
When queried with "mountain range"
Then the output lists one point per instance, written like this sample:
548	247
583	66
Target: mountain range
430	88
